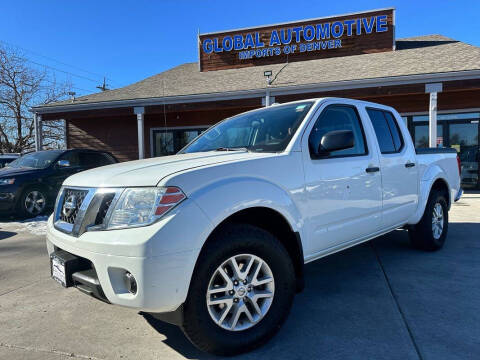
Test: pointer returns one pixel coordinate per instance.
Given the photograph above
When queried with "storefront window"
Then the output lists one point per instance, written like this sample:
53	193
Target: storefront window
171	141
459	131
421	136
164	143
464	138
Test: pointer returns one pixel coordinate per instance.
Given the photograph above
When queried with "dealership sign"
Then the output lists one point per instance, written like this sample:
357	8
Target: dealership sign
336	36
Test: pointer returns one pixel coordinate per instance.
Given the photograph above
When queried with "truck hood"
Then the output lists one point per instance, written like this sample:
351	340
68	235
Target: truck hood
149	172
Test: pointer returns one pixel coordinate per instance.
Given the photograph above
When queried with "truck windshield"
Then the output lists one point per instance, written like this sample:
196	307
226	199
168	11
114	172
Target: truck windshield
264	130
37	160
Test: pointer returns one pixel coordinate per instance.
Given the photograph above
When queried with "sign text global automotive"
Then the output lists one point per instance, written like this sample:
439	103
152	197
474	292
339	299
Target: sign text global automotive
296	39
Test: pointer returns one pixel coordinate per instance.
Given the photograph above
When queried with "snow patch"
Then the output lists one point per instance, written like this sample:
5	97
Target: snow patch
35	226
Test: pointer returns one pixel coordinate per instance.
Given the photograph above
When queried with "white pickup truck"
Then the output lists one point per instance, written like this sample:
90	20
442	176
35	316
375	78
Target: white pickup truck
215	238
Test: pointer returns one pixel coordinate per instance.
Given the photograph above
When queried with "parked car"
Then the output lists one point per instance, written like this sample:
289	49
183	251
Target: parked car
29	184
7	159
214	239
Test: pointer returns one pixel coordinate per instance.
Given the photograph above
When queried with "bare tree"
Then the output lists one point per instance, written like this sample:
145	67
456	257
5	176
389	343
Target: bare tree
21	87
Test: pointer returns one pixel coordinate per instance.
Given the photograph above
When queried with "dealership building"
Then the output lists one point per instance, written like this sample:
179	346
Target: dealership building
432	80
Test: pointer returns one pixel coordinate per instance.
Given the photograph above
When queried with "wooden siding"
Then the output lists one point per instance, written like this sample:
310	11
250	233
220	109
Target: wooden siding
351	45
117	135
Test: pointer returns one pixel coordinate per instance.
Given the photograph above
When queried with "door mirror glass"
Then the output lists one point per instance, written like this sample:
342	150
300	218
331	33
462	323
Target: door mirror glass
335	141
63	163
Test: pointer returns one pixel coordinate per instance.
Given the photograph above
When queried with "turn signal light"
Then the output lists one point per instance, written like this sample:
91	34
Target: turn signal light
170	198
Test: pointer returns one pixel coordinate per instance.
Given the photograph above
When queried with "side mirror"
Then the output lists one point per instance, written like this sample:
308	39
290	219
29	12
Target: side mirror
63	163
334	141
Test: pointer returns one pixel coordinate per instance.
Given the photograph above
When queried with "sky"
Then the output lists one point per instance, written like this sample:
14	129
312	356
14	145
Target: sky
127	41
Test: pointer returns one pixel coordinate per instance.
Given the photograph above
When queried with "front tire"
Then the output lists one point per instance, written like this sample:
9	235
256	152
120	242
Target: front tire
33	202
430	233
241	291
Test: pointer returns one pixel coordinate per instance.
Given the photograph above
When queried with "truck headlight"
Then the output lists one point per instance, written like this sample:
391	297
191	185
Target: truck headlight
143	206
7	181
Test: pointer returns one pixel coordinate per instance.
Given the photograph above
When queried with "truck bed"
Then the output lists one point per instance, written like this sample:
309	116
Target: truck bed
442	150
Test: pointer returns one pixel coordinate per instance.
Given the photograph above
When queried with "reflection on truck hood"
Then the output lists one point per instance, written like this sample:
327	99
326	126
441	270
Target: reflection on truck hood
149	172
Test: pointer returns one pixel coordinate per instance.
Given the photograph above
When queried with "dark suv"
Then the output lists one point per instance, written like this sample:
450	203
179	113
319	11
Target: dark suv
6	159
29	185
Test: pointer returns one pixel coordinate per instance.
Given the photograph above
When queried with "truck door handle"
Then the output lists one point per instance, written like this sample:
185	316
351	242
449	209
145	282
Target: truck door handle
409	164
372	169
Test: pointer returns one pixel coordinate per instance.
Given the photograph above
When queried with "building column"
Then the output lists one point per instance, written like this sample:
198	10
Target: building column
268	99
433	89
140	112
37	127
65	132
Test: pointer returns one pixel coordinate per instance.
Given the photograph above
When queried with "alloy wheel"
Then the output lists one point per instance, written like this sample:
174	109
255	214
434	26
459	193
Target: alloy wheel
240	292
437	221
35	202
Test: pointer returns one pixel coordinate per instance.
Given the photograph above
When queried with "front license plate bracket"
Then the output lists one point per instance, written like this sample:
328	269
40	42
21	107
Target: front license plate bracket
63	265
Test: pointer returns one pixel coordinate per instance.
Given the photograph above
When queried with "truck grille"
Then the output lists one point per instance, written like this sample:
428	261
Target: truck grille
80	209
103	209
72	200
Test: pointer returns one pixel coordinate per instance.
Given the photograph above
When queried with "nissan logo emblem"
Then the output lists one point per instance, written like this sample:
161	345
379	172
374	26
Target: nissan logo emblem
69	206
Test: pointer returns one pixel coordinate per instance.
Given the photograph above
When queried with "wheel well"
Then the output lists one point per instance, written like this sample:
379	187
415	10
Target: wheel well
441	185
275	223
42	187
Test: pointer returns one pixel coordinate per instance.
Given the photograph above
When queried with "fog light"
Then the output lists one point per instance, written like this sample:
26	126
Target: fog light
131	283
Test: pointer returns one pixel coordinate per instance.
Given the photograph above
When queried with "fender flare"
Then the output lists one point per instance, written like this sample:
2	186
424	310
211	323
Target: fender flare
240	193
430	176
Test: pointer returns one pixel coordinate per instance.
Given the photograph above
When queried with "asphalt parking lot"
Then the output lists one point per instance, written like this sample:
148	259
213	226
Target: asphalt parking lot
379	300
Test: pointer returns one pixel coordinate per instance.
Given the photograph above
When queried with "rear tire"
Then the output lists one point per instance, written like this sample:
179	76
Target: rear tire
430	233
204	323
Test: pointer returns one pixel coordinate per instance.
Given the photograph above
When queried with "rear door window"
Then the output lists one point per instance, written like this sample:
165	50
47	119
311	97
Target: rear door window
394	130
387	131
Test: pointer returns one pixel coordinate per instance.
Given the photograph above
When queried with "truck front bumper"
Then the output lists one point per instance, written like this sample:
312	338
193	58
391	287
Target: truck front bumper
161	264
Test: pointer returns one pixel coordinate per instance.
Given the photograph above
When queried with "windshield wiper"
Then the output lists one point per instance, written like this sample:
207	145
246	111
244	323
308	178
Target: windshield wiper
232	149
